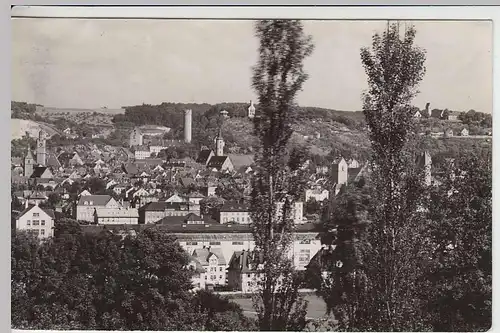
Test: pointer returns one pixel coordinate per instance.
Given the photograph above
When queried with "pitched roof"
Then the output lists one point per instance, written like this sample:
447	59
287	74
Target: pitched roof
244	261
94	199
38	172
234	207
203	156
52	161
241	160
203	255
217	161
49	212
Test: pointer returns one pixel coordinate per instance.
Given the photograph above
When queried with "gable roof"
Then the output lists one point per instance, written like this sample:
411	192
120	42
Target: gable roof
244	261
234	207
38	172
49	212
204	155
203	255
217	161
96	199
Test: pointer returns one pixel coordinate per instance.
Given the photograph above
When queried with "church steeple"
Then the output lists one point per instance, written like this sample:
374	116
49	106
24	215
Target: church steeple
219	143
29	162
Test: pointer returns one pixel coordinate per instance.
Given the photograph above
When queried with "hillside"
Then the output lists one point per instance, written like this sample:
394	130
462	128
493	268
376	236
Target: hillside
19	127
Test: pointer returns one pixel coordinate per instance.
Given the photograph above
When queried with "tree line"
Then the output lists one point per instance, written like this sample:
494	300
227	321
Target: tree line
107	281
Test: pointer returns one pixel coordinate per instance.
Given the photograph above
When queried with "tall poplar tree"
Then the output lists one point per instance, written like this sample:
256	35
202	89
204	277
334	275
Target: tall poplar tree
375	275
277	78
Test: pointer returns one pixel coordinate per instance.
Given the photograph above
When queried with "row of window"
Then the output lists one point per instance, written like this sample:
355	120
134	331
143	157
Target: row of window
37	231
35	222
230	219
213	277
214	269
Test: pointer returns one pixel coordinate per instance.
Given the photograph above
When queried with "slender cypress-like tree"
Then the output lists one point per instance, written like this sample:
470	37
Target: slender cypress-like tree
277	78
380	282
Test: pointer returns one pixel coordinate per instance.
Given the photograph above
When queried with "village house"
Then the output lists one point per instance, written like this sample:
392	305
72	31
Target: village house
464	132
235	213
198	279
317	194
87	204
39	221
214	264
116	216
155	211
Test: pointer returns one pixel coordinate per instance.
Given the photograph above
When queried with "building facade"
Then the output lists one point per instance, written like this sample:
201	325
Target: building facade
87	205
36	220
116	216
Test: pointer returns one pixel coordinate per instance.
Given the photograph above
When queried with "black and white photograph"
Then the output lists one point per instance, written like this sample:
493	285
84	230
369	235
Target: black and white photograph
257	174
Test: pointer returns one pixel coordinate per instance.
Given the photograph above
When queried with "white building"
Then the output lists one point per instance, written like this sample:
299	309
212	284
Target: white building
87	205
116	216
316	194
235	213
297	211
214	264
141	153
36	220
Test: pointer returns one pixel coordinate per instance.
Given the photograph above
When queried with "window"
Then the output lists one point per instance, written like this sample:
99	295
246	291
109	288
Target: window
36	222
206	277
28	222
42	232
237	219
220	277
305	242
36	214
248	275
191	243
220	269
304	257
248	283
214	243
237	243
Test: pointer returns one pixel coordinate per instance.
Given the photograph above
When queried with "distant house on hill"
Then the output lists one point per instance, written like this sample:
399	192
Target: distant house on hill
464	132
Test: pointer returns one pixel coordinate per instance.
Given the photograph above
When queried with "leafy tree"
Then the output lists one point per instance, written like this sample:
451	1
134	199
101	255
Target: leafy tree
312	206
382	274
102	281
277	78
211	206
220	313
96	185
459	278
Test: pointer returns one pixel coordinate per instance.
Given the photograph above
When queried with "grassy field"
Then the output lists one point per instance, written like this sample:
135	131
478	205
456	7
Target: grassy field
316	308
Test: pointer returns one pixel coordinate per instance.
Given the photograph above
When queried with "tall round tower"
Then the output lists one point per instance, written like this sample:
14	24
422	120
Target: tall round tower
187	125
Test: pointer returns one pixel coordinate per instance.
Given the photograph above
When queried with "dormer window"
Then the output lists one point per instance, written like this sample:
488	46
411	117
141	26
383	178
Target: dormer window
85	202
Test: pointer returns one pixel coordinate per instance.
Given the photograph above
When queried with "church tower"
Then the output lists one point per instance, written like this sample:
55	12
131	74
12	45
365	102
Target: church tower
29	163
251	110
41	149
219	144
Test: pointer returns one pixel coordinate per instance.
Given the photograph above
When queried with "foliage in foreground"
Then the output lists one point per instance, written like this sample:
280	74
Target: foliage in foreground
106	281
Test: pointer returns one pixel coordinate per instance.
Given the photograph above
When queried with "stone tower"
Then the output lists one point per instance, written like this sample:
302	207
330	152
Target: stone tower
219	144
187	125
29	163
136	137
339	171
251	110
41	149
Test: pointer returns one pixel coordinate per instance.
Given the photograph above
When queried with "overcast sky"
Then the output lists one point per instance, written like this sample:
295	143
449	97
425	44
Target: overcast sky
94	63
